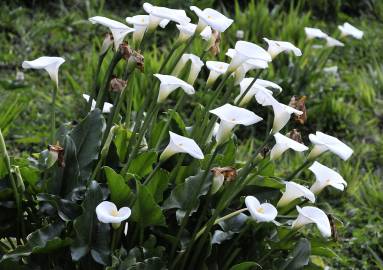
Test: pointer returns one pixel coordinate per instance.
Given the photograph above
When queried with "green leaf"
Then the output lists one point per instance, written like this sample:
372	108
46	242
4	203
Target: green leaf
122	136
66	209
185	196
120	192
143	164
145	210
90	235
268	182
245	266
158	184
300	256
177	123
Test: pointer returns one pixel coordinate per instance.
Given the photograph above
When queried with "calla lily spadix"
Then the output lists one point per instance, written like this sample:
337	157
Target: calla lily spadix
140	24
312	33
231	116
49	63
157	15
107	106
169	84
326	177
277	47
212	18
264	212
294	191
323	142
107	212
349	30
309	215
181	144
216	69
195	68
284	143
119	30
246	50
332	42
282	112
254	89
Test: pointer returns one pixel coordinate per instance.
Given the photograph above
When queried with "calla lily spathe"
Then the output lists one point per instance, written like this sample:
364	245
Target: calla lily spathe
187	30
169	84
348	30
284	143
326	177
107	106
231	116
255	88
49	63
282	112
140	24
268	84
216	69
323	142
195	68
181	144
107	212
264	212
294	191
212	18
332	42
119	30
312	33
309	215
245	51
277	47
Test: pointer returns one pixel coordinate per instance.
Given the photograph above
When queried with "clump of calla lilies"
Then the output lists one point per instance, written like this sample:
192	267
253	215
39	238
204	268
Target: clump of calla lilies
165	160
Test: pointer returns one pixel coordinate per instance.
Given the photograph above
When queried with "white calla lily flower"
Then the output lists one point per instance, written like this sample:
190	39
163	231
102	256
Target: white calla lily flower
216	69
277	47
348	30
323	142
326	177
231	116
169	84
196	65
181	144
309	215
312	33
212	18
264	212
284	143
282	112
49	63
107	106
332	42
186	31
107	212
254	89
268	84
119	30
294	191
162	15
140	24
245	51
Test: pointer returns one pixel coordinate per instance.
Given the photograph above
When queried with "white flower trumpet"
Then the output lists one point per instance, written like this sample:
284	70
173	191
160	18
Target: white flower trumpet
312	33
268	84
50	64
326	177
323	142
309	215
181	144
140	24
294	191
212	18
231	116
254	89
216	69
264	212
332	42
195	68
348	30
284	143
277	47
107	106
119	30
186	31
107	212
169	84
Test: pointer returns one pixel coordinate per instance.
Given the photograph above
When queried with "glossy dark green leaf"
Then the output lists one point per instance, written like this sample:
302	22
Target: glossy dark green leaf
185	196
121	138
120	192
143	164
300	256
158	184
264	181
146	211
177	123
245	266
66	209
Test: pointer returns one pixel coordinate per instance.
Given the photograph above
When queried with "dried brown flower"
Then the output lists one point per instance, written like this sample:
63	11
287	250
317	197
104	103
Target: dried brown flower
299	104
57	149
229	173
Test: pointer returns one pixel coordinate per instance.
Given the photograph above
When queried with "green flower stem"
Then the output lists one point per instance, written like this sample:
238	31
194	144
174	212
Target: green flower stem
53	115
168	57
129	108
188	44
233	214
153	172
248	88
4	155
96	86
231	258
114	239
298	170
108	75
104	153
